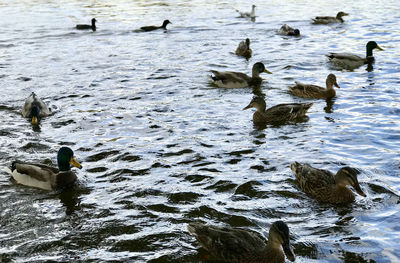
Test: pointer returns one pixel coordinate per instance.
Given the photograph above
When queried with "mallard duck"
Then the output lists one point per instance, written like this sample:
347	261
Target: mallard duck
325	186
230	79
237	245
44	176
151	28
330	19
34	108
277	114
251	14
244	49
288	31
314	91
351	61
84	27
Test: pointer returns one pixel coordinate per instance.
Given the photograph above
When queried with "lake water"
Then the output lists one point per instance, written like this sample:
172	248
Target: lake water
161	147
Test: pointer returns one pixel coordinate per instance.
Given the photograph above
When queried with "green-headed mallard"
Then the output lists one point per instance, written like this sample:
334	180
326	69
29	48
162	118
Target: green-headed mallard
34	108
231	79
84	27
314	91
330	19
288	31
251	14
277	114
237	245
151	28
244	49
325	186
44	176
351	61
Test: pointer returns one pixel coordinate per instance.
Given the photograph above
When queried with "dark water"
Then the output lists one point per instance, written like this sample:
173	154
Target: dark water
161	147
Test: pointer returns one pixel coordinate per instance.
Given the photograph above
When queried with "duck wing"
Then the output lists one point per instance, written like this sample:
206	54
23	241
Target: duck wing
345	56
228	244
307	90
310	179
287	112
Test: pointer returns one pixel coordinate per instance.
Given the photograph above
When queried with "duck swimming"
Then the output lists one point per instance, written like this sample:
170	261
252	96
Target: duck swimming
277	114
244	49
34	108
84	27
231	79
288	31
151	28
237	245
44	176
316	92
330	19
351	61
325	186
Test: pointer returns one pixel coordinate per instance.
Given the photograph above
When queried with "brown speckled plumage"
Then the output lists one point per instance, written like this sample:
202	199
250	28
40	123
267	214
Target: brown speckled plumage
280	113
325	186
237	245
314	91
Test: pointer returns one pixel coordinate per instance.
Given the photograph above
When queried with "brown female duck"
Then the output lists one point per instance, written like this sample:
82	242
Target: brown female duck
330	19
244	49
231	79
325	186
314	91
235	245
277	114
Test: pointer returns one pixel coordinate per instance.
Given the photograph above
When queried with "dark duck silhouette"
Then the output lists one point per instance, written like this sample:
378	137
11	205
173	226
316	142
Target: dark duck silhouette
151	28
85	27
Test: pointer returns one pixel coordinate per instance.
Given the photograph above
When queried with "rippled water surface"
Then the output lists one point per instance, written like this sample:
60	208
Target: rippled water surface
161	147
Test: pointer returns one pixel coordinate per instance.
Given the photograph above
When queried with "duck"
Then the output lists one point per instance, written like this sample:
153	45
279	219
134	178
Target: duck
280	113
244	49
352	61
325	186
151	28
316	92
34	108
330	19
288	31
231	79
236	245
44	176
85	27
251	14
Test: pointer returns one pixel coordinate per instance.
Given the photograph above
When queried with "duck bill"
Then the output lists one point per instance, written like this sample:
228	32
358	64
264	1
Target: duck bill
337	86
346	14
288	252
75	163
359	191
378	47
35	120
248	107
267	71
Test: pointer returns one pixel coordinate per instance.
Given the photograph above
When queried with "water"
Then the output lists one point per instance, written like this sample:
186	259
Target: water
160	147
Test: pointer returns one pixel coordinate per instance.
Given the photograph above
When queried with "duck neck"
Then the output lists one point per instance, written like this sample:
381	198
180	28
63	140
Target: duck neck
253	12
369	52
255	74
342	194
64	167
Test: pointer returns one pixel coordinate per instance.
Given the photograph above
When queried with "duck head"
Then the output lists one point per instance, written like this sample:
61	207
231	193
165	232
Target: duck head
371	45
65	158
35	115
279	232
331	81
258	103
348	176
